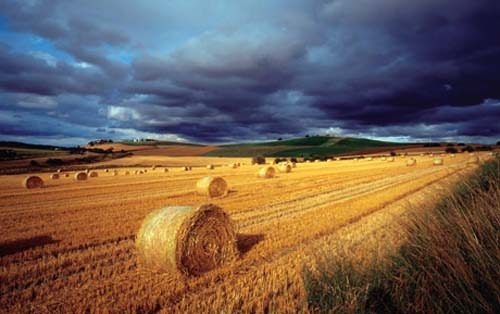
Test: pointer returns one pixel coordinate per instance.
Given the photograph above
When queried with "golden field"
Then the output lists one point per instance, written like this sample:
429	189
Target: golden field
69	247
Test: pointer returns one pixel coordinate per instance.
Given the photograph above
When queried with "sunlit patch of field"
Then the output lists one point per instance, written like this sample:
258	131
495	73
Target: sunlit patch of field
69	247
169	161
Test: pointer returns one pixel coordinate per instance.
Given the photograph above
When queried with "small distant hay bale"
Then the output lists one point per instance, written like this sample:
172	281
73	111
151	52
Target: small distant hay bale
210	167
267	172
294	165
54	176
81	176
93	174
437	162
431	155
187	240
33	182
355	159
369	159
390	159
308	161
234	166
411	162
165	169
317	160
383	159
329	160
59	170
185	168
452	155
285	168
87	171
145	170
66	175
115	173
212	186
106	170
127	173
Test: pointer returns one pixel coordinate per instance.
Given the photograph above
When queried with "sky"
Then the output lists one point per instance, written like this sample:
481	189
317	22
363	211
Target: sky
218	71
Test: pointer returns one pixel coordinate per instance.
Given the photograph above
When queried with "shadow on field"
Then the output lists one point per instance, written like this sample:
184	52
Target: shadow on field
247	241
16	246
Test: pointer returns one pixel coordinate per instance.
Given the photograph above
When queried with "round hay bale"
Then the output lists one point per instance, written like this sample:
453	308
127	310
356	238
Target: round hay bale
329	160
66	175
87	171
106	170
317	160
115	173
411	162
81	176
308	161
212	186
33	182
437	161
431	155
54	176
185	168
165	169
390	159
210	167
127	173
233	166
187	240
369	158
59	170
267	172
383	159
93	174
285	168
294	165
145	170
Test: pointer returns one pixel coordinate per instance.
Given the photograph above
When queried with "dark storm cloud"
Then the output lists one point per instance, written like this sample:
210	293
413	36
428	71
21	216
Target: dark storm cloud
244	70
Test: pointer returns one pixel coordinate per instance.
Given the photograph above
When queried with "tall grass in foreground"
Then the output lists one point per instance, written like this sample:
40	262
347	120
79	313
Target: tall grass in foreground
450	262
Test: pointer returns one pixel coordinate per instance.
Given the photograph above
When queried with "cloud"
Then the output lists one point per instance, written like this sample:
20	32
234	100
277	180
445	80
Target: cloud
245	70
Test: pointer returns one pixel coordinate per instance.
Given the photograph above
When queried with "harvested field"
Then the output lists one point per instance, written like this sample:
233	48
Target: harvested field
70	246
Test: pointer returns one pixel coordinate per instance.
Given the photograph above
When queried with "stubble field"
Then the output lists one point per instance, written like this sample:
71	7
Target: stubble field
69	247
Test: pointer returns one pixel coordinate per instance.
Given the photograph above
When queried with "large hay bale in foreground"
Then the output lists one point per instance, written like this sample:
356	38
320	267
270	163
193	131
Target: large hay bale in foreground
81	176
212	186
93	174
285	168
437	161
188	240
267	172
411	162
54	176
32	182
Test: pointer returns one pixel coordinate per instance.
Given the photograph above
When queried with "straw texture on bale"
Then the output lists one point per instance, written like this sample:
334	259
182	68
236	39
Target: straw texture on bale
411	162
188	240
93	174
210	167
285	168
54	176
80	176
267	172
33	182
212	186
438	161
